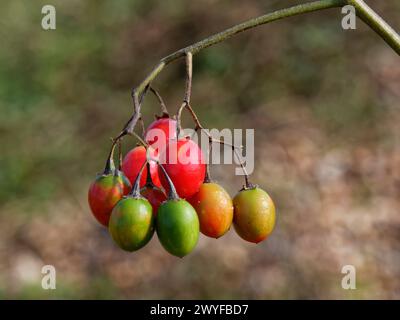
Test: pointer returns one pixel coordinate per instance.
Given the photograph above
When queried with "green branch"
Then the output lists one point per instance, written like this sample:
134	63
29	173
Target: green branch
228	33
362	9
371	18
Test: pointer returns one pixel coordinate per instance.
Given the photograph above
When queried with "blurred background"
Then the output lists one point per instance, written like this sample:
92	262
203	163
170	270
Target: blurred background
324	104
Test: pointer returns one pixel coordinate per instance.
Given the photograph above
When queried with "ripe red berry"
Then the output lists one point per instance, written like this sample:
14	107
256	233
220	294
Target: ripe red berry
184	163
134	160
214	208
160	132
105	192
155	196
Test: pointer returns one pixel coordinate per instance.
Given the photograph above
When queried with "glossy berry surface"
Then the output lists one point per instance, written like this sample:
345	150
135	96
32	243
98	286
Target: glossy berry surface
127	186
185	166
133	162
104	193
155	196
254	214
215	209
160	132
131	223
177	227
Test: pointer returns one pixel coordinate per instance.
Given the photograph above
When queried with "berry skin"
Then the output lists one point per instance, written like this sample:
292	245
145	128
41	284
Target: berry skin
127	186
160	132
155	196
104	193
177	227
132	223
184	165
254	214
134	160
214	208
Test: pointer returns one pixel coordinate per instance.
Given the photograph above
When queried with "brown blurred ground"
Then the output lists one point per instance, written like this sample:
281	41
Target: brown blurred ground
324	105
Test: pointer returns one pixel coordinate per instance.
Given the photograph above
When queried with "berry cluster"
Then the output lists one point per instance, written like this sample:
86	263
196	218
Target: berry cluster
155	189
194	203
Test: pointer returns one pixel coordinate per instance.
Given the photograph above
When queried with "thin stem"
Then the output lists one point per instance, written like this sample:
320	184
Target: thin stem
363	10
172	195
380	26
366	13
164	109
143	127
135	192
199	126
188	93
246	175
131	123
150	77
210	141
228	33
207	177
189	76
136	116
149	180
110	166
142	142
195	118
120	155
178	119
224	142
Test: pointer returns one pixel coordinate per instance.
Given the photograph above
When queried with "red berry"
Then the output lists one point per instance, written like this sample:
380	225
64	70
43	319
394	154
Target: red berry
160	132
155	196
104	193
184	163
133	162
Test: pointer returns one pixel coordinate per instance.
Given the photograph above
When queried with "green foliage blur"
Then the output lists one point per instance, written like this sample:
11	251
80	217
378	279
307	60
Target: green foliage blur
324	105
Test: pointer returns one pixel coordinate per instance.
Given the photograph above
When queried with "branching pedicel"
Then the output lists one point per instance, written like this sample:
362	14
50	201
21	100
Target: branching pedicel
195	202
368	15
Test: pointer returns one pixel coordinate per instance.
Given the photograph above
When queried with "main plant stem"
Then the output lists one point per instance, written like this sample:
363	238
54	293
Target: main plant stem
371	18
362	9
228	33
